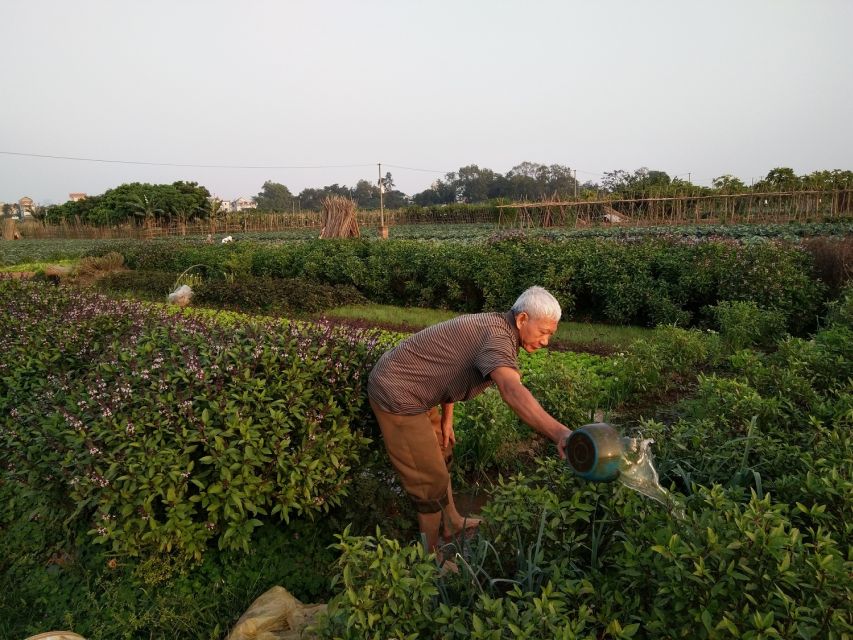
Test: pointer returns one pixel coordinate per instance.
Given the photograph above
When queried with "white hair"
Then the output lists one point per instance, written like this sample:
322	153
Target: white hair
538	303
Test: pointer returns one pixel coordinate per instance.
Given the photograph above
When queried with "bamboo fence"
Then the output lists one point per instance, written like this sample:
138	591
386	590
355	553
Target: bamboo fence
736	208
740	208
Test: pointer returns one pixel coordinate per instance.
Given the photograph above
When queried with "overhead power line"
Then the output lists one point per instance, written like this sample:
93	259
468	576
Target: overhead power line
235	166
190	166
396	166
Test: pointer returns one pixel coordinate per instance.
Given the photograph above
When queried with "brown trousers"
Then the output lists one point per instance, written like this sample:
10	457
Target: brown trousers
414	446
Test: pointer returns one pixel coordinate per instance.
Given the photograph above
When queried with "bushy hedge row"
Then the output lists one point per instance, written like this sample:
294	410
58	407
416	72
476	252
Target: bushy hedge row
171	431
649	282
244	292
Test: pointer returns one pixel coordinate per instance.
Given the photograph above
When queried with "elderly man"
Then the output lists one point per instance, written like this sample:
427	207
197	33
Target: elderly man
448	362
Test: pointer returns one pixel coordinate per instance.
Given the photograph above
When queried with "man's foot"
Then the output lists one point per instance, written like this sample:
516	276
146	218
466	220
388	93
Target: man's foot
464	528
445	566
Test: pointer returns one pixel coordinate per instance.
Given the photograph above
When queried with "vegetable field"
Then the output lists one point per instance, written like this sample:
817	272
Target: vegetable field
159	469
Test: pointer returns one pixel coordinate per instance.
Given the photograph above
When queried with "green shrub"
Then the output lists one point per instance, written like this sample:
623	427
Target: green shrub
388	590
61	581
565	559
247	293
671	359
488	434
640	281
742	324
768	422
154	285
167	431
841	310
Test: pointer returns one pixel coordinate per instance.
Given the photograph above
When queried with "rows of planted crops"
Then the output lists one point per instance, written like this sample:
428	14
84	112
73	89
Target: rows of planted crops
159	470
55	249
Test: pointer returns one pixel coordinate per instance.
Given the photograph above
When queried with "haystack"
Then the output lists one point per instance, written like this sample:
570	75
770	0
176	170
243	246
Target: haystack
339	218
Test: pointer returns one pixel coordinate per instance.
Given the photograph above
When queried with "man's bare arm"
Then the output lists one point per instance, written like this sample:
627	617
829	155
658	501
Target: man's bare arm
522	402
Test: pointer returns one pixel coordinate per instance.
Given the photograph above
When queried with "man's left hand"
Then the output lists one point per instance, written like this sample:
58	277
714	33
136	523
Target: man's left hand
448	437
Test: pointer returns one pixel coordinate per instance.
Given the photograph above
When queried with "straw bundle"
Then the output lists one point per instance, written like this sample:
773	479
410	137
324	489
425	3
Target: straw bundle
339	218
10	231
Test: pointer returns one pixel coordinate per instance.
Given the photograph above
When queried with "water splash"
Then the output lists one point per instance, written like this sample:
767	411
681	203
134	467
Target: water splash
637	471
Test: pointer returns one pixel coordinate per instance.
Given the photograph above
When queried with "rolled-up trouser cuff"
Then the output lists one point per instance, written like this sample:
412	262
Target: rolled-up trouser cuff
429	506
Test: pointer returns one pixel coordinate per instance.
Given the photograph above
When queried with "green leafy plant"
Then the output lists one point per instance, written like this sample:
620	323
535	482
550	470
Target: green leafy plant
743	324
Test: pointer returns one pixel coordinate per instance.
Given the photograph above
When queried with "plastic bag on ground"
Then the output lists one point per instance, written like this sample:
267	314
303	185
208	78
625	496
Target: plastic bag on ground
181	296
276	615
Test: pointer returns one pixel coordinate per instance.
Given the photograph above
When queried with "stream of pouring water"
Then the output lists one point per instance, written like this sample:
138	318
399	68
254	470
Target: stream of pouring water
637	471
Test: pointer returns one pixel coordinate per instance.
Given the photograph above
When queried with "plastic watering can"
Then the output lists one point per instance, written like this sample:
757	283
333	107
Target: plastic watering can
594	452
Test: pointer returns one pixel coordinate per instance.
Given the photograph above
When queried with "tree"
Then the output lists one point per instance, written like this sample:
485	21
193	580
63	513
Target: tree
638	183
439	192
396	199
274	197
213	211
134	201
313	198
532	181
779	179
144	208
474	184
729	184
617	181
828	180
366	195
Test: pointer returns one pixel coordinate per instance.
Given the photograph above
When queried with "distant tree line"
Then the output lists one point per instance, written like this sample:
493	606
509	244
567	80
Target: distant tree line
182	202
143	203
536	182
646	183
277	197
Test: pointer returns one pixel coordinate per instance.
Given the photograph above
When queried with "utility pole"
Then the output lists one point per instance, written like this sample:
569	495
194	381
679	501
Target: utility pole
383	230
576	184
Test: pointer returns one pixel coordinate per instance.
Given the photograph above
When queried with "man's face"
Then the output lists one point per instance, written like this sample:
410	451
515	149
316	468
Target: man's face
534	332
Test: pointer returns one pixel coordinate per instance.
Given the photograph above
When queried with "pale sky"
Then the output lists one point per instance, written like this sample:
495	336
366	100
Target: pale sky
706	87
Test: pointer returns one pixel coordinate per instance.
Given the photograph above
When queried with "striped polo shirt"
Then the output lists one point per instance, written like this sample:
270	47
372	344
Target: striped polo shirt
447	362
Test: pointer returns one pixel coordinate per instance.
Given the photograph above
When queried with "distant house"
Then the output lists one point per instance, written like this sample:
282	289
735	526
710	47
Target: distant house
75	197
26	207
243	203
224	205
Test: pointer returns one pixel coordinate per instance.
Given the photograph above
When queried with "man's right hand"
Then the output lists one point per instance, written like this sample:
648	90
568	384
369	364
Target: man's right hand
561	443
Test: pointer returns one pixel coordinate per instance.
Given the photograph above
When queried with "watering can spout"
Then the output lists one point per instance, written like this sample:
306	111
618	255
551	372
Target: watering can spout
594	452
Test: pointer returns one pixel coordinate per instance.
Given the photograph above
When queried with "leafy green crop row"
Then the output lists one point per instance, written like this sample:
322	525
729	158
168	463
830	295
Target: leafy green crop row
171	431
646	282
246	293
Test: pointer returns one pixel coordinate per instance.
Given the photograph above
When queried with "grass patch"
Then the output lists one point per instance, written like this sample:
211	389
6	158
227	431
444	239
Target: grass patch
35	266
576	335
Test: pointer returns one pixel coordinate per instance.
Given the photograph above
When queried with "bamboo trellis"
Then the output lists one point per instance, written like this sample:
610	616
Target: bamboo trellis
676	210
